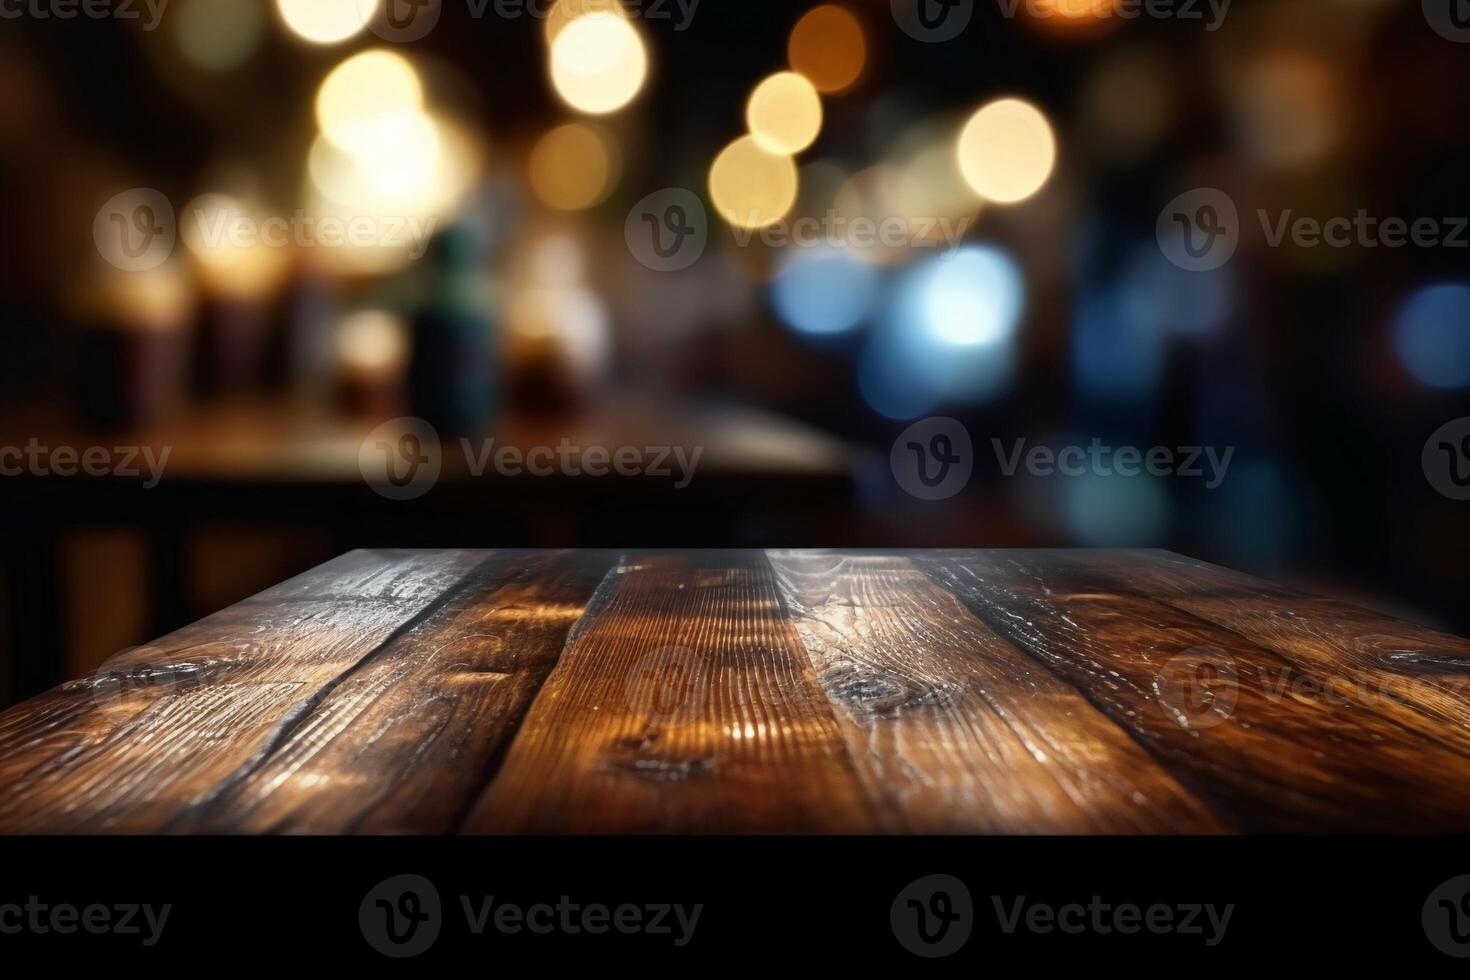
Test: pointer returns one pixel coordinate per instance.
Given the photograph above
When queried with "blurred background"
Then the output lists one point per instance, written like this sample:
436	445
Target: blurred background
456	206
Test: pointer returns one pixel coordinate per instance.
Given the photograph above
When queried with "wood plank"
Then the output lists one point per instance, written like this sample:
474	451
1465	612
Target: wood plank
684	702
405	742
954	730
1278	763
157	728
1344	651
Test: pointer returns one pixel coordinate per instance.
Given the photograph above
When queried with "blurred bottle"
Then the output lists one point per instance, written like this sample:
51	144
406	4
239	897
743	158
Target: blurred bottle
132	346
453	383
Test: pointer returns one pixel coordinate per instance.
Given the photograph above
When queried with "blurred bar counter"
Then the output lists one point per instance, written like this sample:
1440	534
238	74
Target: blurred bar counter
252	490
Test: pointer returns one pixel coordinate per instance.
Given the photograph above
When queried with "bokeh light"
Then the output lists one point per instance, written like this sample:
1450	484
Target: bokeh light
1072	16
891	383
1006	151
823	290
1116	354
1291	108
1164	298
1432	335
563	12
947	335
224	237
1112	511
369	102
1258	515
218	35
784	113
371	343
598	63
750	186
828	47
904	373
974	295
1128	105
865	200
928	186
573	166
399	174
327	21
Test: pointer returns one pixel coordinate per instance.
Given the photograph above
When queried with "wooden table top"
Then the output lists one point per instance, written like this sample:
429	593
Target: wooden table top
779	691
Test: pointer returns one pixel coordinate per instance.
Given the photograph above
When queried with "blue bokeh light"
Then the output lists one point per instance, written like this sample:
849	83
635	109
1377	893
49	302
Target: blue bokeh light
1115	354
1163	298
947	334
973	296
1107	511
823	290
1432	335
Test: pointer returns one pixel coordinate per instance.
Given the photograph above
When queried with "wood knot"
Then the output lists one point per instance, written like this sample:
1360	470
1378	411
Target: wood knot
640	756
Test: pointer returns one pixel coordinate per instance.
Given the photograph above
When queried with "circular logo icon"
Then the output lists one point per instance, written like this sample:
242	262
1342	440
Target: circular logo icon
1199	687
932	21
1199	230
933	458
135	230
1446	917
401	21
933	916
1449	18
400	916
1446	459
400	459
668	687
667	230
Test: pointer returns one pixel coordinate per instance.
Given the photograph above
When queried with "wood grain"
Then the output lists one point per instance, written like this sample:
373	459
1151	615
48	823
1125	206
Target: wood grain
750	692
953	729
406	738
159	728
1418	675
684	702
1195	694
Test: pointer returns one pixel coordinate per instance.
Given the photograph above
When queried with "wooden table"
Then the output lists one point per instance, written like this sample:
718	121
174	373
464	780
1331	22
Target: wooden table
784	691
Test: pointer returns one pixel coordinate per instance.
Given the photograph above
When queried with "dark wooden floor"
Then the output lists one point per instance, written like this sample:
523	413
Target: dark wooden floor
783	691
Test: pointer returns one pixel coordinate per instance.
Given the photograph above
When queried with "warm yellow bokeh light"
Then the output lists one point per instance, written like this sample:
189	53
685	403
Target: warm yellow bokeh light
1006	151
750	186
371	343
1074	15
400	174
784	113
367	100
828	47
235	254
598	63
573	166
563	12
326	21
